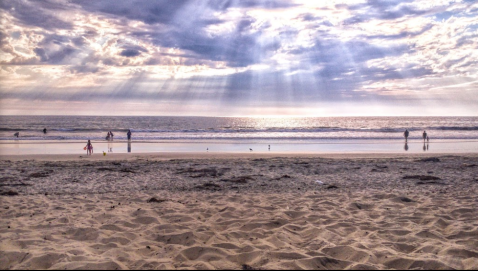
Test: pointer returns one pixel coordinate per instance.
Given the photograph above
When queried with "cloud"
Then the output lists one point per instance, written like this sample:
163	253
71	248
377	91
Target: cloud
36	13
246	52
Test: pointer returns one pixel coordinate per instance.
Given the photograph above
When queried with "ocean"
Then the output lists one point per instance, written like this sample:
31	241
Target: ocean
230	133
235	128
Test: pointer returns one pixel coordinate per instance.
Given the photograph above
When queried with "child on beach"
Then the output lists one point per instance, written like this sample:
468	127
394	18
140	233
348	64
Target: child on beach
89	148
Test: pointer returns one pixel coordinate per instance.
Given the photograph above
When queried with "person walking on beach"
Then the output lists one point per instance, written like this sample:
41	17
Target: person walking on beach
44	130
424	136
111	135
129	134
89	148
406	133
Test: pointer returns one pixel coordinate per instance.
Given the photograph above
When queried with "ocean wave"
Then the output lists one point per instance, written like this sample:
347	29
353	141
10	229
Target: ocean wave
231	138
249	130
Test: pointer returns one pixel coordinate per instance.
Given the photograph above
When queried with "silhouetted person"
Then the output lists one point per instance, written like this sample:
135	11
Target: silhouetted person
424	135
406	146
44	130
428	139
89	148
129	134
269	147
17	134
405	134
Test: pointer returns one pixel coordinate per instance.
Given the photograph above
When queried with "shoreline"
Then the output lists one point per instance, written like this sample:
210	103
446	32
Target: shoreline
331	146
222	156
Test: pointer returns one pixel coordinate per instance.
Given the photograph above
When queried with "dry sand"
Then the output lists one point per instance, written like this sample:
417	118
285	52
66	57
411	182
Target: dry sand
185	211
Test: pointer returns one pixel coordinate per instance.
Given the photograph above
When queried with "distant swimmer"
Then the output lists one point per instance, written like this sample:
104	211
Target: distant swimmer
17	134
424	135
44	130
406	133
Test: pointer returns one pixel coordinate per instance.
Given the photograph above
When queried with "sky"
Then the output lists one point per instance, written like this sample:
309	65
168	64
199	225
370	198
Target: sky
239	58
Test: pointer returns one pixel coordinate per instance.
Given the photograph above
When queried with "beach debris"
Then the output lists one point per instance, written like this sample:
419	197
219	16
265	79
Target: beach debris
40	174
153	199
9	193
209	186
332	187
238	180
319	182
105	169
204	172
405	199
431	159
127	170
281	177
421	177
430	182
248	267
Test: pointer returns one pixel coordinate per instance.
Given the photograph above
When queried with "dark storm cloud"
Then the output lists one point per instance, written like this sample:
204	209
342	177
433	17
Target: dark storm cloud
401	35
265	4
132	50
35	13
150	12
130	53
238	49
380	9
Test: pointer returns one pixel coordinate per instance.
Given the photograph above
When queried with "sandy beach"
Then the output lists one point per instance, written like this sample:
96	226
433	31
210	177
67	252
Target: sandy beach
239	211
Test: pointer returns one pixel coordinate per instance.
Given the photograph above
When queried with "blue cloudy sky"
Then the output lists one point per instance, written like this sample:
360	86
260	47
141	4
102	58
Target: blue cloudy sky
235	58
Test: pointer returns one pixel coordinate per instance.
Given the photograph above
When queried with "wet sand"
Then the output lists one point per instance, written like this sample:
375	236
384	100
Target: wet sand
239	211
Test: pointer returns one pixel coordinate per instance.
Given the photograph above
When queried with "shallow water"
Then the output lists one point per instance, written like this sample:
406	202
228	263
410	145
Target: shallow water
329	146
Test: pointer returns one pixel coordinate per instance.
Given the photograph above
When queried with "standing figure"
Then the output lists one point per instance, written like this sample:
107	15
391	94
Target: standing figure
89	148
424	136
44	130
406	133
111	136
108	136
129	134
17	134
